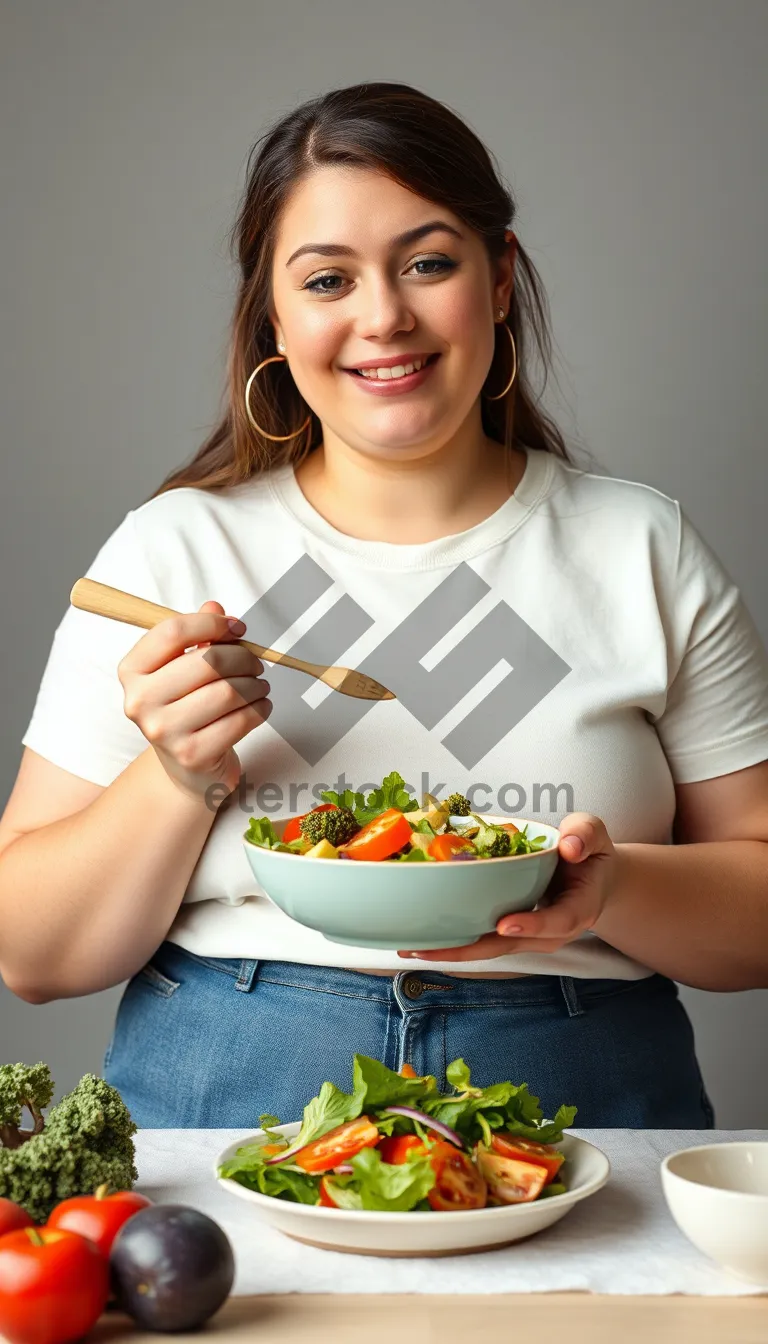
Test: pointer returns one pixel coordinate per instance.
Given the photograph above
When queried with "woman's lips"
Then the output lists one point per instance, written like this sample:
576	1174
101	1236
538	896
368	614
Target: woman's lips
389	387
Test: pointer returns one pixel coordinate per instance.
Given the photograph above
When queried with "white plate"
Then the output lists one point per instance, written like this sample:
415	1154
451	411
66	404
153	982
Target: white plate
363	1232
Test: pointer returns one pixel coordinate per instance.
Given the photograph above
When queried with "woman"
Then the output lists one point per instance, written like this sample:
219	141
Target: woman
562	646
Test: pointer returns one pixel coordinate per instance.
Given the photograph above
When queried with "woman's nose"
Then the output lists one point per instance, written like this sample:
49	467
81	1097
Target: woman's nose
383	310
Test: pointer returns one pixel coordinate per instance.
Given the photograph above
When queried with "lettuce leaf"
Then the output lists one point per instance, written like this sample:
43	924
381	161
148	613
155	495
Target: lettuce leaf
260	831
392	793
381	1186
503	1105
379	1087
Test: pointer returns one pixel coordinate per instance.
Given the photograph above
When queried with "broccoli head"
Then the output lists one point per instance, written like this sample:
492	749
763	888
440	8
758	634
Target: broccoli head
85	1141
337	826
22	1085
458	805
492	842
501	845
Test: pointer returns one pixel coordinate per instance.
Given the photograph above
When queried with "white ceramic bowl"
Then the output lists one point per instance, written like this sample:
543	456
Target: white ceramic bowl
718	1195
364	1232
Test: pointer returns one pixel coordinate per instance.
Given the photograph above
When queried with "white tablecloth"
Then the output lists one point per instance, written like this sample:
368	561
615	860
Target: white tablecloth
621	1240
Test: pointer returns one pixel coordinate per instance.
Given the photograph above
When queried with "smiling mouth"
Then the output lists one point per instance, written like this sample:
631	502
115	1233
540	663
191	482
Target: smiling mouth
371	377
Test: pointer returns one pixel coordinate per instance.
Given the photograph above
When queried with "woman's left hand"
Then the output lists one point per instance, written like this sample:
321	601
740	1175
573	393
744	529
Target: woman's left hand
573	902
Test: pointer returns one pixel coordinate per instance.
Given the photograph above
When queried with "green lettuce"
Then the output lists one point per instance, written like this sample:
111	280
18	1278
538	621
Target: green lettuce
393	793
260	831
378	1185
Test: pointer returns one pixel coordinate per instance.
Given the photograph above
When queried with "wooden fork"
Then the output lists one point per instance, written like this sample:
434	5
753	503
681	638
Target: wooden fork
102	600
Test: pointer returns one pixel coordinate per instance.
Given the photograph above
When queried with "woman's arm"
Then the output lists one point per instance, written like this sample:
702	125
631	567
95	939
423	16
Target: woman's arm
697	910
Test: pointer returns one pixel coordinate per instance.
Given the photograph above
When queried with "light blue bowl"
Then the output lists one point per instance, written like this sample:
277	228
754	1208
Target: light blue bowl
408	906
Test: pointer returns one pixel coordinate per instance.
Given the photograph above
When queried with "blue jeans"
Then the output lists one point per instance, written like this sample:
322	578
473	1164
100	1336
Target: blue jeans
208	1042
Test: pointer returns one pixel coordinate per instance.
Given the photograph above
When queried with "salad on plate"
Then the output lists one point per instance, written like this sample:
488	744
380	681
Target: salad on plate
396	1143
389	824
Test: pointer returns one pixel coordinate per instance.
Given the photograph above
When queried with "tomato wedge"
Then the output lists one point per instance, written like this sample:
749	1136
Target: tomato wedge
381	837
509	1182
459	1184
526	1150
292	830
396	1148
326	1200
338	1145
443	846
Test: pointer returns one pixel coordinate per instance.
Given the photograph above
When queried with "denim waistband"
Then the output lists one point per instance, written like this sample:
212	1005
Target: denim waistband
410	988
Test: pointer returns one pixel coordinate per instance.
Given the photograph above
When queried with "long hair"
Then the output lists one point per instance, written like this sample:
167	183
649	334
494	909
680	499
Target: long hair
424	146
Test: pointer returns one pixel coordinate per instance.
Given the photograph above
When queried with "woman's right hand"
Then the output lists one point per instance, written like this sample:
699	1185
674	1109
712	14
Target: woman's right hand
193	707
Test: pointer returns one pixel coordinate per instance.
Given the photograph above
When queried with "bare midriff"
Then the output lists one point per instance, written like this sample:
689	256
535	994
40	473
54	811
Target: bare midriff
461	975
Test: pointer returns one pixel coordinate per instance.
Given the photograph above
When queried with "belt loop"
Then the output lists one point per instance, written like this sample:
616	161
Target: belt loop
570	994
247	975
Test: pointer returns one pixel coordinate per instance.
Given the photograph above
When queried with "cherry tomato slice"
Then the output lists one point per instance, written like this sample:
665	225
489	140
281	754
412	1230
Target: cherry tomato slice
508	1181
338	1145
326	1200
443	846
459	1184
396	1148
293	831
381	837
526	1150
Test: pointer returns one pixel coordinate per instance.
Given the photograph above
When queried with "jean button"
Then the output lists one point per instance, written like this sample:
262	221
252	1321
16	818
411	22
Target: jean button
413	987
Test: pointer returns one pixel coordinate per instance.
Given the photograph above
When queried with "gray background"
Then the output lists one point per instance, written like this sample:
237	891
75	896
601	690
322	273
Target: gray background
632	135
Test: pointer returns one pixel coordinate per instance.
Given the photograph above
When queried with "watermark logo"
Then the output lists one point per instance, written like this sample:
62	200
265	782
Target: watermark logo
429	695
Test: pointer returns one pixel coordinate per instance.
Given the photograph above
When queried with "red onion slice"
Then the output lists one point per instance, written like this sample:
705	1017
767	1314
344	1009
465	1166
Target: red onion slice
428	1121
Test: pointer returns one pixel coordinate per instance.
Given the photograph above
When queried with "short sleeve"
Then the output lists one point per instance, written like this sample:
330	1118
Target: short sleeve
715	719
78	721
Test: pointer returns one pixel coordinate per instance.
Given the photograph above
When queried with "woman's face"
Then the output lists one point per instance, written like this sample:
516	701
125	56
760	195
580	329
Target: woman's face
432	295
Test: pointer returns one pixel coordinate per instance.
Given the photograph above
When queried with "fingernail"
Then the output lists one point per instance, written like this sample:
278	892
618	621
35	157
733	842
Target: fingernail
504	929
575	845
237	627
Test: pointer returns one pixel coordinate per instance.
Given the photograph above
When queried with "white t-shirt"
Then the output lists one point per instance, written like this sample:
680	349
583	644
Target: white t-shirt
582	649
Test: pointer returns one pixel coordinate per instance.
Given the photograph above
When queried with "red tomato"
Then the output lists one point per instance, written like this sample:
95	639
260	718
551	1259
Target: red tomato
459	1184
13	1216
525	1150
396	1148
508	826
408	1071
326	1201
99	1216
338	1145
293	831
54	1285
381	837
443	846
509	1182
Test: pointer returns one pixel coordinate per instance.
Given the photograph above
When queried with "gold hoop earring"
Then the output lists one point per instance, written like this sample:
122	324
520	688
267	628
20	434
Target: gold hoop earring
514	366
276	438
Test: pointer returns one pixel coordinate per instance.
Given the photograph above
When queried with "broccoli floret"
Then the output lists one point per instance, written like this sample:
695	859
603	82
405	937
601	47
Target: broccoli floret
500	846
85	1141
458	805
337	826
492	842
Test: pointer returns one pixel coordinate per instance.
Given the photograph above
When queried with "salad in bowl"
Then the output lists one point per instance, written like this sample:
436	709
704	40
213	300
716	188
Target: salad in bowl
360	1164
435	875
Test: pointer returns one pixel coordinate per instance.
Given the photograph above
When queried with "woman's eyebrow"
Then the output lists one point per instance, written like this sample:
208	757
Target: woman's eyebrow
402	239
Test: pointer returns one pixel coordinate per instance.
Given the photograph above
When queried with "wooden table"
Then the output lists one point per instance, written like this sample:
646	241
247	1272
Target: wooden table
573	1318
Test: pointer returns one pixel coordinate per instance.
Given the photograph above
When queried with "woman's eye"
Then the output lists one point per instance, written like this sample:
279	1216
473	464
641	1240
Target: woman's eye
317	286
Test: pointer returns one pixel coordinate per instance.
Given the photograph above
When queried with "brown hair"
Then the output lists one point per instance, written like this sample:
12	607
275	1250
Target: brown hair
427	148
